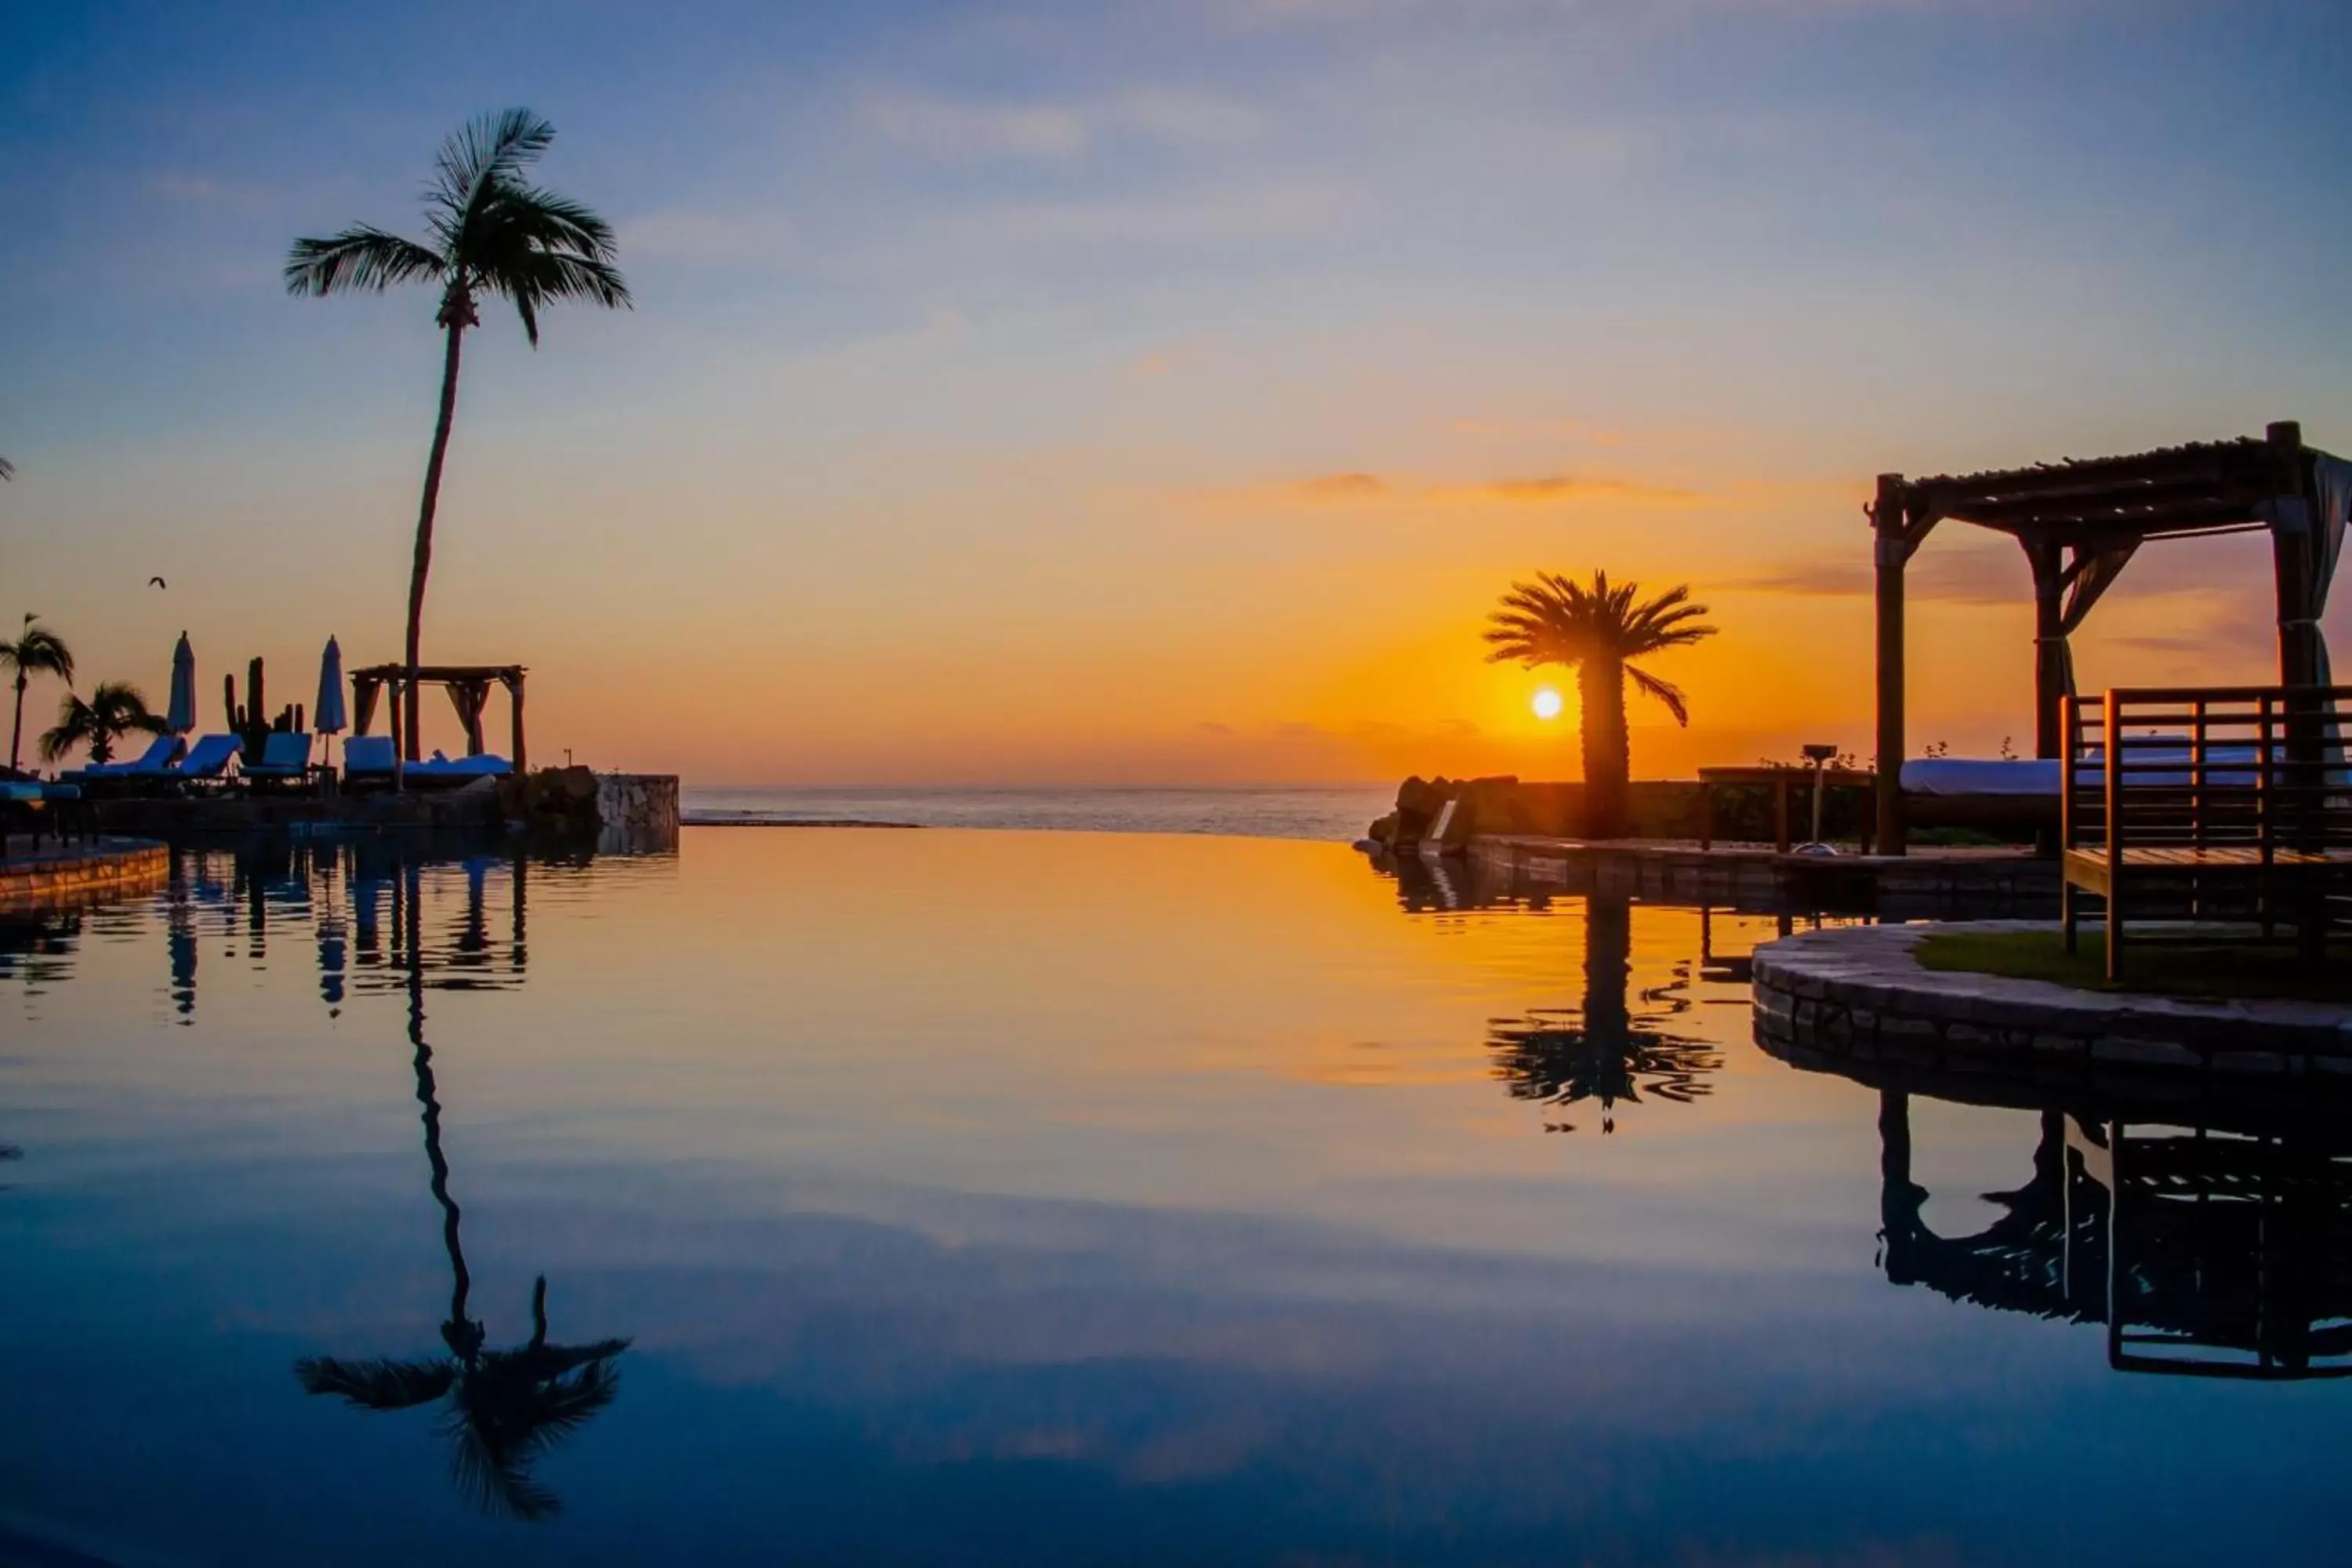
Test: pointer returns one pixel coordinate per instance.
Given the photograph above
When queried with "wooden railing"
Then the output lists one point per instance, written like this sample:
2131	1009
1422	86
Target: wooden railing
2252	767
2235	790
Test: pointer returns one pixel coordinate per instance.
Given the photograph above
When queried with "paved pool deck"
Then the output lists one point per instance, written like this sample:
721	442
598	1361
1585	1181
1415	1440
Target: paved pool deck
1860	992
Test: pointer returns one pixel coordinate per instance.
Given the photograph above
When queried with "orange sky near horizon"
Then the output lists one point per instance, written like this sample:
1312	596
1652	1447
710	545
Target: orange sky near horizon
1031	393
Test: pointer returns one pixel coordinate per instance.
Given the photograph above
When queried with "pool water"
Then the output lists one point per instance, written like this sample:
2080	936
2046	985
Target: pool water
973	1197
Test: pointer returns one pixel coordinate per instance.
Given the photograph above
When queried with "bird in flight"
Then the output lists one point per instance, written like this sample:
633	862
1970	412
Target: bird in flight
157	581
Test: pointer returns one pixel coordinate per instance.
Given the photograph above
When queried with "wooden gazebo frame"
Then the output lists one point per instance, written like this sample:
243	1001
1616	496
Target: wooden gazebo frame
469	692
2079	522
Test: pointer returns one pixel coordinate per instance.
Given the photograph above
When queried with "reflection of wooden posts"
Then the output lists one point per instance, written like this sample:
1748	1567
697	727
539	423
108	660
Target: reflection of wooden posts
1899	1202
1893	551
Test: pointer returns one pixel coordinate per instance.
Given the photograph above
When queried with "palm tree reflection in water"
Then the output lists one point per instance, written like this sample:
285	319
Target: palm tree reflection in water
1604	1052
507	1409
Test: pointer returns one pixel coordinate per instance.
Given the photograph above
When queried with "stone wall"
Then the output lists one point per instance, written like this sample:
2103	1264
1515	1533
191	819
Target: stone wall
1859	993
638	806
80	873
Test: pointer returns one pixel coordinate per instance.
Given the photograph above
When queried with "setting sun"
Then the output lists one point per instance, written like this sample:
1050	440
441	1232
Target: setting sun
1547	704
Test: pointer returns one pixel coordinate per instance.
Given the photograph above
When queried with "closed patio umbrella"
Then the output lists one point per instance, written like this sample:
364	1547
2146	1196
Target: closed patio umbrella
327	714
182	717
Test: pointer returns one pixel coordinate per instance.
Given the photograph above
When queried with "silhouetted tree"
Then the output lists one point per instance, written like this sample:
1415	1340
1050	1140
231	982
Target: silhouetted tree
115	710
36	650
1597	631
492	234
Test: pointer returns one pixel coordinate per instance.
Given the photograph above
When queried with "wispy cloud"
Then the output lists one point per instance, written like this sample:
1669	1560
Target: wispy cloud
965	130
956	131
707	236
1974	576
1206	217
1358	489
1343	488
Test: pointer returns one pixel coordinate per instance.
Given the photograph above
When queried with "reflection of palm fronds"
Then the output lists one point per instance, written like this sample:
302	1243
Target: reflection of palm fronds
506	1408
1557	1058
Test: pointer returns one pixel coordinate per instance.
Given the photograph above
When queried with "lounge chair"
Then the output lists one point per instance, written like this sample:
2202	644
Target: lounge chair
21	809
155	762
445	773
207	761
285	761
370	763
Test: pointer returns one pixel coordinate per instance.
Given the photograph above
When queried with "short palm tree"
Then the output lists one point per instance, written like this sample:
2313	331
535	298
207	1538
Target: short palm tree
1597	631
37	651
1601	1053
115	710
492	234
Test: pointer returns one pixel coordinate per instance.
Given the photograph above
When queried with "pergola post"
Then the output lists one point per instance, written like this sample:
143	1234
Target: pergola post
2049	643
514	694
1893	553
2291	559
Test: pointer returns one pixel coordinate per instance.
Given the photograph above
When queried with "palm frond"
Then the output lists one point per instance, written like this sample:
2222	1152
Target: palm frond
7	469
1665	692
496	1480
38	650
377	1384
487	151
363	257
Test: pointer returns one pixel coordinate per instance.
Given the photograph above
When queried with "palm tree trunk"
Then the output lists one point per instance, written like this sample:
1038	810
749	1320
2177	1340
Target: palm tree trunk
1607	761
423	564
16	731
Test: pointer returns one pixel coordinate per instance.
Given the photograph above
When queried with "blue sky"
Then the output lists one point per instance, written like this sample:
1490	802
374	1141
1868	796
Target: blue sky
986	359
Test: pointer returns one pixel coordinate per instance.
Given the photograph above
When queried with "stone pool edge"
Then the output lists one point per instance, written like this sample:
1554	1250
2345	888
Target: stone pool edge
1860	991
93	870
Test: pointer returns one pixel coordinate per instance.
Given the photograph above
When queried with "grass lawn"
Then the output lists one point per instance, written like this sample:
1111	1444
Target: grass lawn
2175	966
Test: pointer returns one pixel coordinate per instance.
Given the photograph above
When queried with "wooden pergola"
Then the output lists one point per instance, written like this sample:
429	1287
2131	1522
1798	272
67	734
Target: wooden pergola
469	692
2079	522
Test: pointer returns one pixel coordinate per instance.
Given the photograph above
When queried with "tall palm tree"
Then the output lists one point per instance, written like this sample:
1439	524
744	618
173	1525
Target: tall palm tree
37	651
1597	631
506	1408
115	710
492	234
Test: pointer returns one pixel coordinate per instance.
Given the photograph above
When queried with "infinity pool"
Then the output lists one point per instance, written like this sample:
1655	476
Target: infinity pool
970	1197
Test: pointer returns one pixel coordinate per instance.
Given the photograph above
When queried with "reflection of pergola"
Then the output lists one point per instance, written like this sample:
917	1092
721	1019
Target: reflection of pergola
470	691
2079	522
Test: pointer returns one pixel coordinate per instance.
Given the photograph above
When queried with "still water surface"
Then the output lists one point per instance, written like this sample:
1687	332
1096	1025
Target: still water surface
977	1197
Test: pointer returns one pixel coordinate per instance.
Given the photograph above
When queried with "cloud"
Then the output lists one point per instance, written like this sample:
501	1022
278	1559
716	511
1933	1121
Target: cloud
707	237
1975	577
1553	488
1210	215
957	131
1214	727
1184	118
202	190
962	130
1343	488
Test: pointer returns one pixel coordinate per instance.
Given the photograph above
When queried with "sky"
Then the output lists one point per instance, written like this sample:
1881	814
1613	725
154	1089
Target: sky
1095	393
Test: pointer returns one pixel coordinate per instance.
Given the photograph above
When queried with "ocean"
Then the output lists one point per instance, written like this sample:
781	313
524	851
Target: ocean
1334	813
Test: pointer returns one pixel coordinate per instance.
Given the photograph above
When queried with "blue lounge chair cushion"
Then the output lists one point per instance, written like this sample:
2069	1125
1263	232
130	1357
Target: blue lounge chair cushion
209	757
60	792
153	763
17	794
283	755
368	755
